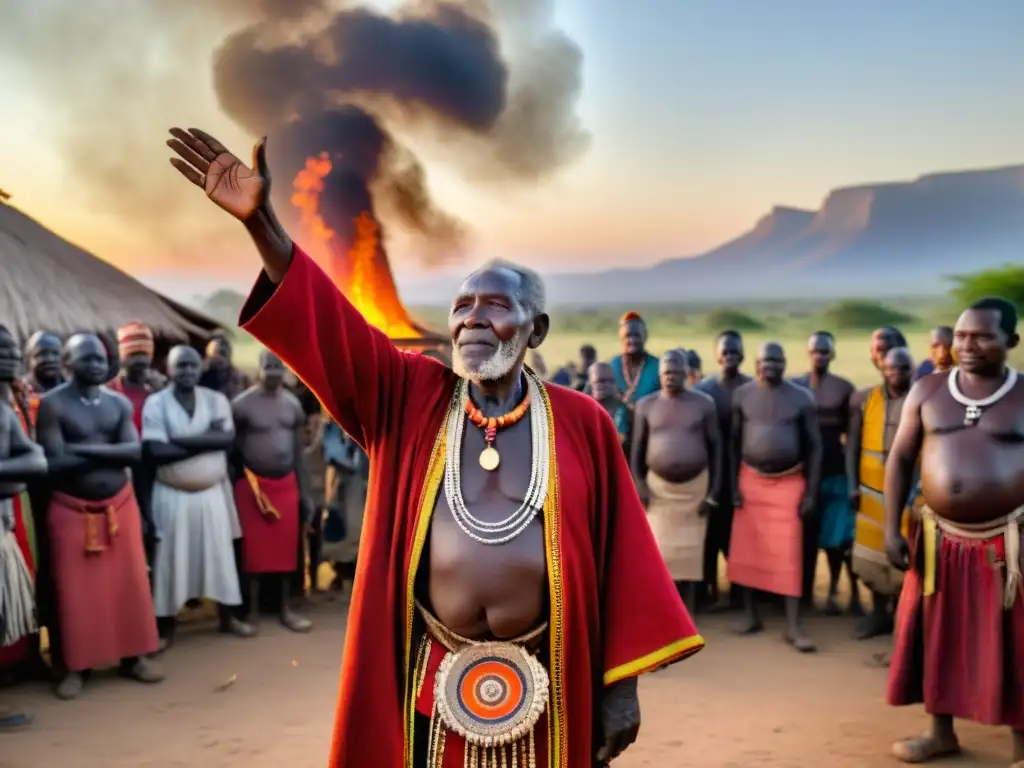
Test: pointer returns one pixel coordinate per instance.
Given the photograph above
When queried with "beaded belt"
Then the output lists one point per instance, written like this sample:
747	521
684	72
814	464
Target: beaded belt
491	693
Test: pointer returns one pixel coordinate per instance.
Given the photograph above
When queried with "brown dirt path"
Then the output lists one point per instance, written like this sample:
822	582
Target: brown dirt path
742	702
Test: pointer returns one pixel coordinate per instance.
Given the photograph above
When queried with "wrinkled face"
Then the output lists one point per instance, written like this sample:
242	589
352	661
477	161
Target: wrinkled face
272	370
771	363
633	337
730	354
941	349
137	364
821	351
602	382
979	344
87	358
490	328
672	372
10	357
898	369
218	353
44	357
881	343
183	364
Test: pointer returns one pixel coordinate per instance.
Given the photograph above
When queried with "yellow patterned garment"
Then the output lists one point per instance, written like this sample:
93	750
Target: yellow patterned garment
870	562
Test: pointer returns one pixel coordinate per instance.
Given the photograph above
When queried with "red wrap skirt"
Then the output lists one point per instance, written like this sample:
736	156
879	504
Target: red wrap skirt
99	571
268	512
766	548
959	651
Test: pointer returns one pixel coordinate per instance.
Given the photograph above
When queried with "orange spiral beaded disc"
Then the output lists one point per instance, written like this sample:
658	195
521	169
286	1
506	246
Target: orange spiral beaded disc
491	694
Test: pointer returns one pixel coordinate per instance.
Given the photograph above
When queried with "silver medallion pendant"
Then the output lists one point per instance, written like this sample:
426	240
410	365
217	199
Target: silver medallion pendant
972	414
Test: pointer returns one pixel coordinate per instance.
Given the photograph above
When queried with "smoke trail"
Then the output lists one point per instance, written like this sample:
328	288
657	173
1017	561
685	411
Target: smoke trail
336	82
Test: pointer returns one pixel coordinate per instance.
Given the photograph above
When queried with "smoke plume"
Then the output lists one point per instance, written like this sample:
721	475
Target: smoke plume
344	82
113	75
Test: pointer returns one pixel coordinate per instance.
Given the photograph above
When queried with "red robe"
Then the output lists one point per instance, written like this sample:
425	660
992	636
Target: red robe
615	612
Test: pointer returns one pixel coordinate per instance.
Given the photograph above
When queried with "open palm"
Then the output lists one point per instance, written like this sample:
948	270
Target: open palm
227	181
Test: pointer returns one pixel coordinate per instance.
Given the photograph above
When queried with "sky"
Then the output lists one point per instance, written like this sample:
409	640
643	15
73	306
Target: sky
703	115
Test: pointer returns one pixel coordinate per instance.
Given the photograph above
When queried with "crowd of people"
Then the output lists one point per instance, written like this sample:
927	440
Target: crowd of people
128	496
530	550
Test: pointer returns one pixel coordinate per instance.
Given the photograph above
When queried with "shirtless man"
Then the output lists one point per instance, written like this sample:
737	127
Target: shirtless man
960	634
272	488
98	562
20	459
940	353
220	373
42	356
777	454
677	465
831	528
729	352
874	418
602	386
187	433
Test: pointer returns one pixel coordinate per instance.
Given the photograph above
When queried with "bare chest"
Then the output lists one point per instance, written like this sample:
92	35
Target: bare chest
678	418
268	416
82	423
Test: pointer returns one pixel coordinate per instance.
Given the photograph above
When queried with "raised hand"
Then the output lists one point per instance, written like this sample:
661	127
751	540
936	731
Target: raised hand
238	189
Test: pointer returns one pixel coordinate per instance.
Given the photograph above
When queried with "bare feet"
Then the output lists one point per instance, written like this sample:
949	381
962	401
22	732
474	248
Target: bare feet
295	623
749	625
143	670
832	607
165	643
874	625
925	748
240	628
70	687
800	641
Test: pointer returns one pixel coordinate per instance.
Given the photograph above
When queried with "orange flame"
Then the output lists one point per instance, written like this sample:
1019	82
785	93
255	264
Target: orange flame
361	270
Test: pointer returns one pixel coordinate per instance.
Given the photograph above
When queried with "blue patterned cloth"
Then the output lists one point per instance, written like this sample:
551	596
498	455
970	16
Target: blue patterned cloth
838	521
647	383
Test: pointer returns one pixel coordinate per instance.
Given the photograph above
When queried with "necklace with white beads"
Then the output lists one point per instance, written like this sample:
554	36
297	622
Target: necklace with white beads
973	408
501	531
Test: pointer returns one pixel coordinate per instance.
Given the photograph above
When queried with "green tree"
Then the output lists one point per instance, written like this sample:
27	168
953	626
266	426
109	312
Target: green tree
863	315
1007	282
732	319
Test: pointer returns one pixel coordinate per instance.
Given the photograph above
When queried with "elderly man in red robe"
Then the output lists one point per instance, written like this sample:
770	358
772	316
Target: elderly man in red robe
509	590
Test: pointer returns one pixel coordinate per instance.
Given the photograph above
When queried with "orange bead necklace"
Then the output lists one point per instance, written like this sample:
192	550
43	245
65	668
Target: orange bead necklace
489	457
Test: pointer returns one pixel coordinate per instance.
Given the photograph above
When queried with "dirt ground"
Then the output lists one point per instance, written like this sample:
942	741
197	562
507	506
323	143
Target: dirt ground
268	702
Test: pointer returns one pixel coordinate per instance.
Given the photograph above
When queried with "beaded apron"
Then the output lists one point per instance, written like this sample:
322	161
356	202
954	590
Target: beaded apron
492	694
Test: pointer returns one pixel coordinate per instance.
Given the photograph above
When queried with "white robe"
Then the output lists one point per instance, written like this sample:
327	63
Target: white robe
193	507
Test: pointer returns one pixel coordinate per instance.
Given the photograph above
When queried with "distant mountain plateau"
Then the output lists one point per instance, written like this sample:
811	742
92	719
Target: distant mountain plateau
874	240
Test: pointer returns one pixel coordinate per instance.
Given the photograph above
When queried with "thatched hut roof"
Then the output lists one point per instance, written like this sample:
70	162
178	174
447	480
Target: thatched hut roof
49	284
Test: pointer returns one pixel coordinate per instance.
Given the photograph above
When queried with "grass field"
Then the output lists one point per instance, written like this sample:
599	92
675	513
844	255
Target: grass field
789	325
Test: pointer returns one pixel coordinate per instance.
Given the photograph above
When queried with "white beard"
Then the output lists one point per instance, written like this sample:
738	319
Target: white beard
497	366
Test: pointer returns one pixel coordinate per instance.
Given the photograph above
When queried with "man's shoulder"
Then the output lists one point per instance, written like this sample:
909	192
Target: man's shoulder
119	399
928	385
707	385
646	401
701	398
796	390
860	396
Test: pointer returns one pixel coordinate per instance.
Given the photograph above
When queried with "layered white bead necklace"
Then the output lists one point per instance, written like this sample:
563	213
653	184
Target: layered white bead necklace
505	530
973	408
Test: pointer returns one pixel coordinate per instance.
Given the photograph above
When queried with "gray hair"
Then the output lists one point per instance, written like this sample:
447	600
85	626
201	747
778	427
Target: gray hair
531	293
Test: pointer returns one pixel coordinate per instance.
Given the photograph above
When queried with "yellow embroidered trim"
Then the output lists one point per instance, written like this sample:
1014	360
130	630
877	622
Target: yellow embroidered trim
557	735
680	649
435	474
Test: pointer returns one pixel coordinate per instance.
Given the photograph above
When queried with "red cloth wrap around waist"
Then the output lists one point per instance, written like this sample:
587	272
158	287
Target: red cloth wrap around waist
268	511
765	551
959	651
103	597
455	744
